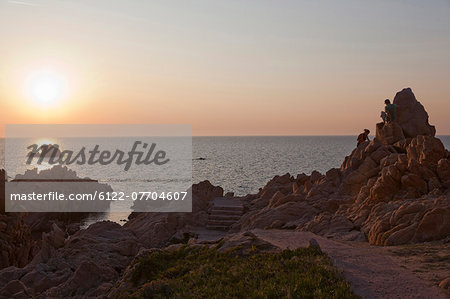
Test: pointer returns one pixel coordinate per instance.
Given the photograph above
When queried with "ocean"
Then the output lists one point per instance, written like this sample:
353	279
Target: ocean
244	164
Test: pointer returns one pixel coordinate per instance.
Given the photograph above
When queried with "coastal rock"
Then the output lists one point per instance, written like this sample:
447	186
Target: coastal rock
435	224
389	133
15	289
2	190
16	243
155	229
312	243
411	115
245	244
290	214
426	150
87	260
445	284
392	190
443	171
410	222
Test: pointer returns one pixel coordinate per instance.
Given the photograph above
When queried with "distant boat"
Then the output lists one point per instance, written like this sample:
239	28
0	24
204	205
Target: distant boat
200	159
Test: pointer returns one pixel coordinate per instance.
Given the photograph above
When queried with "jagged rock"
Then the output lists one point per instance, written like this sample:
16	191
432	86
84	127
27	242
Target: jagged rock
387	192
55	238
411	115
412	221
246	243
155	229
315	176
415	183
443	171
435	224
296	189
16	243
312	243
445	284
90	257
426	150
392	190
2	190
15	289
389	133
290	214
79	285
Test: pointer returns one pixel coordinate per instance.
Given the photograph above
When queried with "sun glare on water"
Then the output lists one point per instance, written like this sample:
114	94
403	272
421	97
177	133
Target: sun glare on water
46	87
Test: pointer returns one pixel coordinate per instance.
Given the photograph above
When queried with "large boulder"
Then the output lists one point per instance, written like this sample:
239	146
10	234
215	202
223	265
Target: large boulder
155	229
411	115
2	190
76	267
16	243
443	170
389	133
426	150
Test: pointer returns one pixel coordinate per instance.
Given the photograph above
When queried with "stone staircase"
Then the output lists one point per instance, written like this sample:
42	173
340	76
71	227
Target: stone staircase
223	213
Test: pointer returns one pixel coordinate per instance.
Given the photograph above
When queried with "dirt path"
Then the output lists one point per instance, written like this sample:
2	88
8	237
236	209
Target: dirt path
370	270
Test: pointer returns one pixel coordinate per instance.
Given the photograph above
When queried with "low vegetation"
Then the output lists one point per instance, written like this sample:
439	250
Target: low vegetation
202	272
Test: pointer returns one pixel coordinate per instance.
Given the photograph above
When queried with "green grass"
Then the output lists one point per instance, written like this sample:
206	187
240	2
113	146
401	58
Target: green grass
205	273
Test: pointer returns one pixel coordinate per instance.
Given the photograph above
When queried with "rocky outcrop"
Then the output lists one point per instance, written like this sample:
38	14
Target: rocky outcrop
389	133
81	266
412	121
16	244
392	190
411	115
89	262
155	229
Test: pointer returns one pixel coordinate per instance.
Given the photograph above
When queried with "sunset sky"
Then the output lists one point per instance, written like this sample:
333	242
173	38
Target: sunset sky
230	67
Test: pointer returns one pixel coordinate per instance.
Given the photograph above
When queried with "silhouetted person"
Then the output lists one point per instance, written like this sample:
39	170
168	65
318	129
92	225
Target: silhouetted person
363	137
383	116
391	111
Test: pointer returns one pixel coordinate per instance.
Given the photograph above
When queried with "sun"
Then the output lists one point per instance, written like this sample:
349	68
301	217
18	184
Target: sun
46	86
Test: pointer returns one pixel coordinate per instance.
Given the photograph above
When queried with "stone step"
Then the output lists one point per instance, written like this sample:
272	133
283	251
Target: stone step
228	208
227	212
218	227
224	216
220	222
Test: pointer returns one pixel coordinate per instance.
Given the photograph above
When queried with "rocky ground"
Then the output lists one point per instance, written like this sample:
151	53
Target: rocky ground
393	191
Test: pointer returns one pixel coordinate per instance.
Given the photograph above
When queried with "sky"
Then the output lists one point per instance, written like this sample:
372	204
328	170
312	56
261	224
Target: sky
227	67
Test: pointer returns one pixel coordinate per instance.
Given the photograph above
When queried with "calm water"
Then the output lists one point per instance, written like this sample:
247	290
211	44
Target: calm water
244	164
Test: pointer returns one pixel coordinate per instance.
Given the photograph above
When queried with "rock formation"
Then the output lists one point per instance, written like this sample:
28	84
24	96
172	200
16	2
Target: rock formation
155	229
16	244
76	267
89	262
412	120
392	190
411	115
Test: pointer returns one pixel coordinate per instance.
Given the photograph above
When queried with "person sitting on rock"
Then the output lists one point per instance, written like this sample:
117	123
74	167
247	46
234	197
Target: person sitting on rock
363	137
383	116
391	111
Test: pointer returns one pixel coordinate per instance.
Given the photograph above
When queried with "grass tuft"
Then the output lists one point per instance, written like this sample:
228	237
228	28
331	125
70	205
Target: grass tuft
205	273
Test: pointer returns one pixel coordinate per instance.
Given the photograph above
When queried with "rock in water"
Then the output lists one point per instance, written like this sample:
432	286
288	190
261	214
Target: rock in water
411	115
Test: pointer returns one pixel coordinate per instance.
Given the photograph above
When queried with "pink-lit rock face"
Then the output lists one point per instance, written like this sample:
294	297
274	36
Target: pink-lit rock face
411	115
